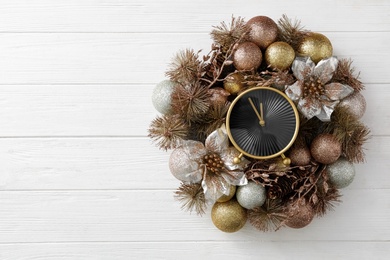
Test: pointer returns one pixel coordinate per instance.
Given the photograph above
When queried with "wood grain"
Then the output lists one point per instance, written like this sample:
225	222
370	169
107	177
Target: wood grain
79	179
125	163
137	58
247	249
113	110
185	16
153	215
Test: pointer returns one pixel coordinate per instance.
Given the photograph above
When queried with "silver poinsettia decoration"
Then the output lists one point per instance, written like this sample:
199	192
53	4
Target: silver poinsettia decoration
313	91
210	163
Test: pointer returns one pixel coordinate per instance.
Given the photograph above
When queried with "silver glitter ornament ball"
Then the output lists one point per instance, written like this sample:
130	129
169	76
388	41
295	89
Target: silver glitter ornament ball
355	103
161	97
251	195
341	173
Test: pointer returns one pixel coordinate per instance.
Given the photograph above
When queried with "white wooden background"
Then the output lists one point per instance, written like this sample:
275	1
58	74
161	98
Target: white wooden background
79	179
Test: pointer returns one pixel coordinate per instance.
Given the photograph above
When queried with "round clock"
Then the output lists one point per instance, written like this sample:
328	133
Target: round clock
262	123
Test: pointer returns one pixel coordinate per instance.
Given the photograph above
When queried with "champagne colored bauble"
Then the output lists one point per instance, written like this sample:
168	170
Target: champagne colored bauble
341	173
316	46
300	155
233	83
262	30
325	148
279	55
247	56
251	195
228	216
161	97
232	192
355	103
300	214
183	162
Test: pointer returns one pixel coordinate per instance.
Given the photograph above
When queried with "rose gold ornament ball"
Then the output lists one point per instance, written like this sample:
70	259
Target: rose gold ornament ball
262	30
247	56
233	83
325	148
355	104
279	55
300	214
300	155
316	46
218	96
228	216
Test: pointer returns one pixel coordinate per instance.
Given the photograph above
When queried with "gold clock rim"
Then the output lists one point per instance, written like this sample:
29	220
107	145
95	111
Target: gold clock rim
268	156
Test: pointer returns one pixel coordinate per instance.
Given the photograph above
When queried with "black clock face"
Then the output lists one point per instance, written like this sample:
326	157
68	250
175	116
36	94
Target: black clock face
266	139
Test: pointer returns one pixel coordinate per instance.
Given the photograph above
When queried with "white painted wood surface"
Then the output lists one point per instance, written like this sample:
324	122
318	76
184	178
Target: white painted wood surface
79	179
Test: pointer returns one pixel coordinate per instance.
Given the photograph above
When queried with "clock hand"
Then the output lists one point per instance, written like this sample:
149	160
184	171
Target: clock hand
262	114
262	123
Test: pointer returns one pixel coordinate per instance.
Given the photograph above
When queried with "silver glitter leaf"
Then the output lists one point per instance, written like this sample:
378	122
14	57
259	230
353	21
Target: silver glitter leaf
337	91
217	141
301	66
325	69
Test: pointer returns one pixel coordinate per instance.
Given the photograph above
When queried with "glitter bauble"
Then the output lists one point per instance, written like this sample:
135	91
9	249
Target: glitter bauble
279	55
184	162
355	104
316	46
247	56
161	97
233	83
251	195
228	216
218	96
262	30
300	155
299	213
325	148
341	173
225	198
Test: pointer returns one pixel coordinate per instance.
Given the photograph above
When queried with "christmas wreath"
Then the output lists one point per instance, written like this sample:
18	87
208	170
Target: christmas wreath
271	183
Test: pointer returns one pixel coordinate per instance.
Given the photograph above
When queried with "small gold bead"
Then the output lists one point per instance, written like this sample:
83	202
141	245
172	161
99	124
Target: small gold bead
286	161
236	160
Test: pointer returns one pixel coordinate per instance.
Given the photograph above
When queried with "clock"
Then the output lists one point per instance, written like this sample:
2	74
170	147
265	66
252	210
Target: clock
262	123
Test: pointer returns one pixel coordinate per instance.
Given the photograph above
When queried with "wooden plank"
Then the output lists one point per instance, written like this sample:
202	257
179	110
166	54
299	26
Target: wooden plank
114	110
126	163
130	216
179	16
140	58
76	110
200	249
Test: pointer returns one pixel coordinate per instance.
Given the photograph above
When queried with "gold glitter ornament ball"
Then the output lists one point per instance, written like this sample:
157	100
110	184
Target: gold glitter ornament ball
228	216
316	46
325	148
232	192
233	83
247	56
262	30
279	55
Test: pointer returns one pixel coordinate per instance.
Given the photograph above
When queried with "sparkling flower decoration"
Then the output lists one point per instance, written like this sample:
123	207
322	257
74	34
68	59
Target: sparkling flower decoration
313	91
210	163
